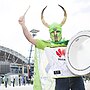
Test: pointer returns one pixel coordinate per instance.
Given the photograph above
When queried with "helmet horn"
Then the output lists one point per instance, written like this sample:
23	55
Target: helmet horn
65	16
63	21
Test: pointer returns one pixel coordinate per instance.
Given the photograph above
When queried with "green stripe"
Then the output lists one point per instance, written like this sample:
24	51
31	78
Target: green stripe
37	82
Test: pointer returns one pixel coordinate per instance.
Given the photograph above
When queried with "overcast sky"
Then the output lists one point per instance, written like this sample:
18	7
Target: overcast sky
11	35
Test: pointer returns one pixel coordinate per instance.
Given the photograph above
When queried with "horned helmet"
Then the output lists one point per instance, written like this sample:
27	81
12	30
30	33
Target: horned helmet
55	26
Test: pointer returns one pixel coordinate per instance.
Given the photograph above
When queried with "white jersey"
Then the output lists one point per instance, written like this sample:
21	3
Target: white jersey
50	63
56	66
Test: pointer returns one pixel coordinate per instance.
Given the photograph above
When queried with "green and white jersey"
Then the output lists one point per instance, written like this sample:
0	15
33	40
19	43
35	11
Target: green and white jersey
49	64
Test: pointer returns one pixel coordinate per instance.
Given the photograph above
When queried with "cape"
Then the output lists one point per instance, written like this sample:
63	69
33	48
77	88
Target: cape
41	79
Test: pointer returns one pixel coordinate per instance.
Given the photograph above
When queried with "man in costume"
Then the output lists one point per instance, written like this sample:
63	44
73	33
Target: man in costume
50	64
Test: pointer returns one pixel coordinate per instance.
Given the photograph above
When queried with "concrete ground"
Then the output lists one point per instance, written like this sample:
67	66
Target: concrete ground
87	85
30	87
26	87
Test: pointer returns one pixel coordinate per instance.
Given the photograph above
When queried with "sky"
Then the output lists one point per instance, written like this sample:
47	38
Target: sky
11	35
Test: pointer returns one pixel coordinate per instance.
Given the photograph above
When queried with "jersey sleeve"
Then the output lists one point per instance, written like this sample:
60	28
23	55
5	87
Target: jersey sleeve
41	44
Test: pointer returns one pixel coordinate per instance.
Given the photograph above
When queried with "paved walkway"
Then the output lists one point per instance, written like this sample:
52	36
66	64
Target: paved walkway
87	85
26	87
30	87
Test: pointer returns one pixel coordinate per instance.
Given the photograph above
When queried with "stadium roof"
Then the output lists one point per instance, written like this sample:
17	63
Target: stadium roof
11	56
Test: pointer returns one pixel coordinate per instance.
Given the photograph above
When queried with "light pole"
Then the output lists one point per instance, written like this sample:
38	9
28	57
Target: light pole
34	32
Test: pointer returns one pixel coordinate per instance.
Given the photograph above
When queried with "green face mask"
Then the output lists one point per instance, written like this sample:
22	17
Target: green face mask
55	32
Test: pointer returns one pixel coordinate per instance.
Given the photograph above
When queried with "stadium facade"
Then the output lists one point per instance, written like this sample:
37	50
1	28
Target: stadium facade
11	61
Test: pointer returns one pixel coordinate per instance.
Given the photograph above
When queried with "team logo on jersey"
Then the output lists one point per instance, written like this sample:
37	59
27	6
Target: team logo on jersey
61	54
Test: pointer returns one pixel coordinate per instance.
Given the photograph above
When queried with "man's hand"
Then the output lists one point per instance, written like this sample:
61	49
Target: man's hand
21	20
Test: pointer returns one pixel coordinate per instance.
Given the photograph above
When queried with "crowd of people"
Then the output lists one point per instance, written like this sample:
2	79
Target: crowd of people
15	80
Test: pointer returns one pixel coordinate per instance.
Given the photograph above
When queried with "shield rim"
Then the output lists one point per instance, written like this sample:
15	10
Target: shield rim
74	70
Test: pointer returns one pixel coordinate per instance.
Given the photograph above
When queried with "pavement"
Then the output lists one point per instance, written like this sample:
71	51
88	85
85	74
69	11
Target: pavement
30	87
87	85
26	87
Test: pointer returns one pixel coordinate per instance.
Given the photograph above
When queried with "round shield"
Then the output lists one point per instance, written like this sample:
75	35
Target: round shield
78	53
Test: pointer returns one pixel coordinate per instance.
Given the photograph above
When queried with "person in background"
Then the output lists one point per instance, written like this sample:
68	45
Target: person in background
6	80
14	82
0	80
19	80
55	52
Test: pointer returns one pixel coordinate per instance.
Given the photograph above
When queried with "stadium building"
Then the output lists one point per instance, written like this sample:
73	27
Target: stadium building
12	62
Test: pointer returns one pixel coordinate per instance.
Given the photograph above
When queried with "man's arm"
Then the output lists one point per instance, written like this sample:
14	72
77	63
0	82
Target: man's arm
26	31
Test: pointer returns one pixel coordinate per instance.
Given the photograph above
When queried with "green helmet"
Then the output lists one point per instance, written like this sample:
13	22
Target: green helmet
55	28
